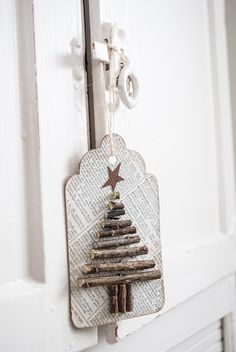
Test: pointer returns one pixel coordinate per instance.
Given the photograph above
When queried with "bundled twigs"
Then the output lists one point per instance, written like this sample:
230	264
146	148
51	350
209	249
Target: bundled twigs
111	233
129	298
116	224
114	214
122	298
118	279
118	253
114	298
114	205
116	239
116	242
121	266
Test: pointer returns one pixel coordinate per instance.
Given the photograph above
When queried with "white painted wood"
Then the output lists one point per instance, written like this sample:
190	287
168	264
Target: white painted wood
228	331
200	266
179	323
216	348
25	68
222	113
212	333
12	210
188	120
183	129
43	136
230	28
204	345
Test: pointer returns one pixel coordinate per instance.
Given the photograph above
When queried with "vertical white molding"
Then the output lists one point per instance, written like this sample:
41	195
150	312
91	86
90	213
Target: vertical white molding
63	130
30	132
224	140
222	113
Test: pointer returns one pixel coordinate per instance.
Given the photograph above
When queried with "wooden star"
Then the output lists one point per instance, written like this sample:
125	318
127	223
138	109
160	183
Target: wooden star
114	177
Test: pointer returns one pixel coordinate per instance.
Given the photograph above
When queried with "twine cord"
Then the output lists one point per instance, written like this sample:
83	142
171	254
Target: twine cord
110	110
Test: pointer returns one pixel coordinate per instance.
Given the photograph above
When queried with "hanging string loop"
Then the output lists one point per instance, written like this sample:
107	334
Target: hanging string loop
110	104
123	83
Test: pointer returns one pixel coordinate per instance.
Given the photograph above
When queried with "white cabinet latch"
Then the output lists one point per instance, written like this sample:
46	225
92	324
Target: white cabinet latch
126	81
77	59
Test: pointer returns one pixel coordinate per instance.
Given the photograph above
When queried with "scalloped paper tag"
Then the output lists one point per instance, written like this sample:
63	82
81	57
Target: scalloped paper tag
86	205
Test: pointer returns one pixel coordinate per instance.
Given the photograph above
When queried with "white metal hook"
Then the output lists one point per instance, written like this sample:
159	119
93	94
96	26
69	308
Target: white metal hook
127	79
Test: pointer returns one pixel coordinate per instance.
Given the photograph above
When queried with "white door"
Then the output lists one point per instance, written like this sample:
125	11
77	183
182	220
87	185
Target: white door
182	128
43	127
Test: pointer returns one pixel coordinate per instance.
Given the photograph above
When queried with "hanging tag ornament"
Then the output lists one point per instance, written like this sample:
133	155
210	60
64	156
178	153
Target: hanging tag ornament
113	225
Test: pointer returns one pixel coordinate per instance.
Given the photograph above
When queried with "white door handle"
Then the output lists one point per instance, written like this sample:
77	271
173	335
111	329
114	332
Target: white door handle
126	81
128	85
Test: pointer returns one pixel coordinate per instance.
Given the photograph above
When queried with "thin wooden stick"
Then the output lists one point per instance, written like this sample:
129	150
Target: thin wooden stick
115	195
129	298
118	279
122	266
114	214
122	298
114	205
111	233
116	242
118	253
113	291
116	223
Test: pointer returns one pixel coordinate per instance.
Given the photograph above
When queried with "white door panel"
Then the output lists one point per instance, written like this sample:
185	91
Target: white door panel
202	340
12	209
181	327
43	136
182	127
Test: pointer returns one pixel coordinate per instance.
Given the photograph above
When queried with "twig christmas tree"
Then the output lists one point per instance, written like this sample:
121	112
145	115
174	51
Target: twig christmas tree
113	242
